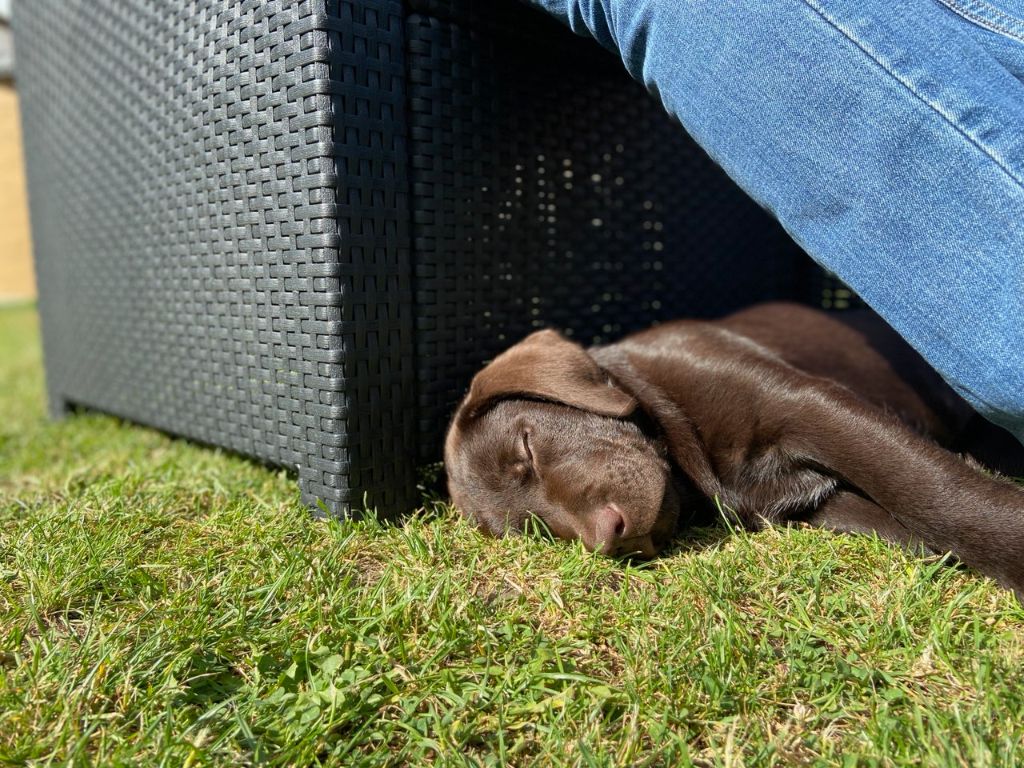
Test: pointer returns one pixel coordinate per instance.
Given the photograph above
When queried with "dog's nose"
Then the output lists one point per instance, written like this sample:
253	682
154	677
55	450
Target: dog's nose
609	529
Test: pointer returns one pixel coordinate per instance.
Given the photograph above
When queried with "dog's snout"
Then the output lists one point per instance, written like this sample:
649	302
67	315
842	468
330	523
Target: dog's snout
609	528
612	533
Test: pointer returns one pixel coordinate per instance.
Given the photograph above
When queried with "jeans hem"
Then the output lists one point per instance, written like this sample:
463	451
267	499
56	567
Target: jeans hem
987	16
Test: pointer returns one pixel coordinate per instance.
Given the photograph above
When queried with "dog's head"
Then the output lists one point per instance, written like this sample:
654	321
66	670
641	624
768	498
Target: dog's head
544	432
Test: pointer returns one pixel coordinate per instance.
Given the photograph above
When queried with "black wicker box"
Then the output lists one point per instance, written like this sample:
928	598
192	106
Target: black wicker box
295	229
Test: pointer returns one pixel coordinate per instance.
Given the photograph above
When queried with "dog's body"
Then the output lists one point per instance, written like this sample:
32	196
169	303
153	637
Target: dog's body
780	413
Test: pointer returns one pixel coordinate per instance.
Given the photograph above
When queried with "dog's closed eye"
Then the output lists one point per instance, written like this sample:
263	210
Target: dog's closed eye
525	465
526	447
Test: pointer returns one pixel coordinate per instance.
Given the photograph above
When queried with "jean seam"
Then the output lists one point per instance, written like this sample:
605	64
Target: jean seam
987	16
935	107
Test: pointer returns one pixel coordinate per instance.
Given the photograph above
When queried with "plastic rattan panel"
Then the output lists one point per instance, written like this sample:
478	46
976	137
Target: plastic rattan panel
220	221
295	228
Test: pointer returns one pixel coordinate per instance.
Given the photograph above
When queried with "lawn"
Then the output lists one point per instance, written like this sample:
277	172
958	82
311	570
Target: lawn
162	603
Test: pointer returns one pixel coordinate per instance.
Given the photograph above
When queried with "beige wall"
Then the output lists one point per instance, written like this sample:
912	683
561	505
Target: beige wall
16	279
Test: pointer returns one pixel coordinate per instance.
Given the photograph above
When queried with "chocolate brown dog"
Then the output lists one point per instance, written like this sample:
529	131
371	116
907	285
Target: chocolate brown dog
780	412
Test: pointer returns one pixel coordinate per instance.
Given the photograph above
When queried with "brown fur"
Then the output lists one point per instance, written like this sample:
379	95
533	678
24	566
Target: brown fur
779	412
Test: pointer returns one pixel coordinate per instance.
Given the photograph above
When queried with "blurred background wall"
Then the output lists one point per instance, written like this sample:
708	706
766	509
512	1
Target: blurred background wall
16	279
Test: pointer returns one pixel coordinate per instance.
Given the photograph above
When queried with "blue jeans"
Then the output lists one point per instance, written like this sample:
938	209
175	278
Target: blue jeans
886	137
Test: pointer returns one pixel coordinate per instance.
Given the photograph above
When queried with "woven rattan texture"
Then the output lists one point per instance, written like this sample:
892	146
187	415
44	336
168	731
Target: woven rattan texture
205	266
551	190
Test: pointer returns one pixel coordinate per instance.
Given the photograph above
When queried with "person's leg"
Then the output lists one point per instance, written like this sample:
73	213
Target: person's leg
888	138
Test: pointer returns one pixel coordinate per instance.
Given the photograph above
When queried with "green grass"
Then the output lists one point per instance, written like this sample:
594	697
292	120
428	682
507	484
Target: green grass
162	603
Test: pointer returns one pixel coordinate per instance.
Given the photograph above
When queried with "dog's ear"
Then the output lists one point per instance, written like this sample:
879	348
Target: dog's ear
547	366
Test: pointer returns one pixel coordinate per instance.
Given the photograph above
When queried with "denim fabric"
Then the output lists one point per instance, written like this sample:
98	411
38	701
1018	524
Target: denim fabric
888	138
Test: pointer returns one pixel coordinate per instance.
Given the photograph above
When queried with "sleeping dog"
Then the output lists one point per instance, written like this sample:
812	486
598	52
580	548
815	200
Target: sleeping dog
775	414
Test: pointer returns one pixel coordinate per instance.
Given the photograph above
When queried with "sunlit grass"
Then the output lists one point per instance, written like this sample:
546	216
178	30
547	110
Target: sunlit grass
162	603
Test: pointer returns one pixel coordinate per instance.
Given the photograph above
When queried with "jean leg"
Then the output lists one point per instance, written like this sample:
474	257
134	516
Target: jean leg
886	138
